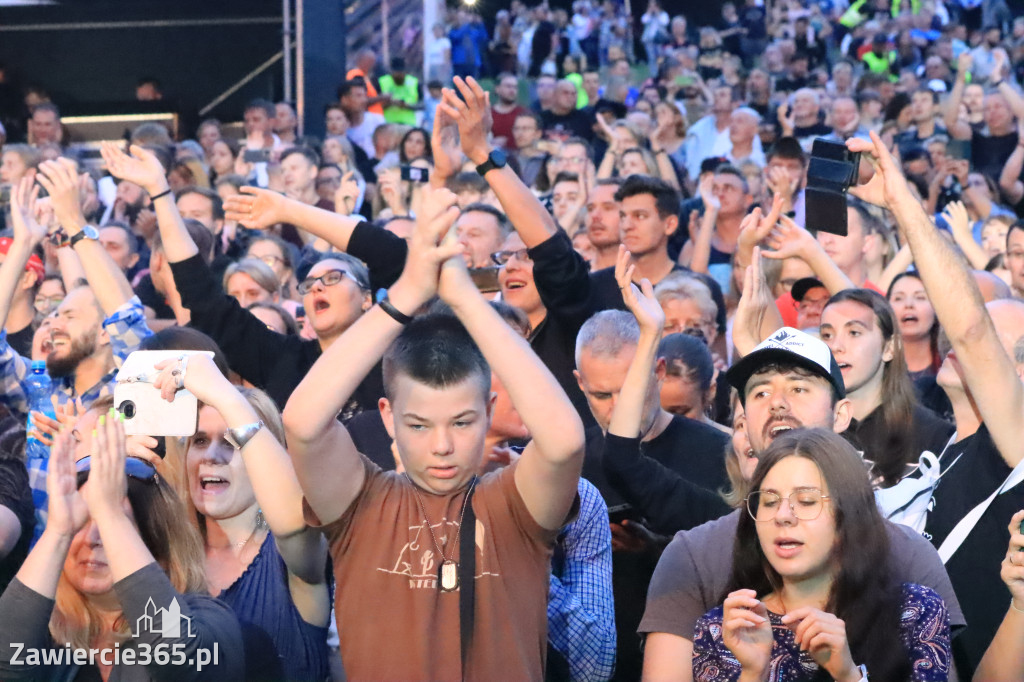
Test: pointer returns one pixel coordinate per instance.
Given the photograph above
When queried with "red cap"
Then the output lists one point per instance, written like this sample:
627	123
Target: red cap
35	263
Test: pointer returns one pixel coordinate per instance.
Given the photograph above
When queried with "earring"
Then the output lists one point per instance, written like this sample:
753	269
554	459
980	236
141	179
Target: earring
261	521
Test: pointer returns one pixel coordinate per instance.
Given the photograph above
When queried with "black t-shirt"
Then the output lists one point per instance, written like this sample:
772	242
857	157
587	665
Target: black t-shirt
990	152
574	124
21	340
753	19
974	568
16	496
928	432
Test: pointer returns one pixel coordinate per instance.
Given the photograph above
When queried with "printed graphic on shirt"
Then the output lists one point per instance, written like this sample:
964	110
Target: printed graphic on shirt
419	562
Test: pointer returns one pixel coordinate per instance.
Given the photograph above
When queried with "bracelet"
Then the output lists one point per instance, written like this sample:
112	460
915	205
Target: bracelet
162	194
240	436
395	314
1014	606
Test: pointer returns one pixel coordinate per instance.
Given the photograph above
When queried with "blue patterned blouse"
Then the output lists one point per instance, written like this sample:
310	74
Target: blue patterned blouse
924	631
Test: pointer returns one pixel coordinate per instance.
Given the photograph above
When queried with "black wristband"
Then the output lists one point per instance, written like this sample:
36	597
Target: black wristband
162	194
395	314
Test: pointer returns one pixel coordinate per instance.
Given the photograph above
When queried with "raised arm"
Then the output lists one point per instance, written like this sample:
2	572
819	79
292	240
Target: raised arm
988	371
112	288
757	316
958	128
1009	178
529	217
549	469
28	234
789	240
700	249
326	461
960	225
272	475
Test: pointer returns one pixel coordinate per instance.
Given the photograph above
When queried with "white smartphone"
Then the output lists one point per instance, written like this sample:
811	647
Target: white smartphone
145	412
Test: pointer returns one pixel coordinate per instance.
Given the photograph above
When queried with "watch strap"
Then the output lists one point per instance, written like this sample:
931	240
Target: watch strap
87	232
490	164
240	436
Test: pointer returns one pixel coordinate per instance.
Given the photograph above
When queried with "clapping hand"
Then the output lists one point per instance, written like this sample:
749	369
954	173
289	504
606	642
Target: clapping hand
746	630
108	485
755	303
444	143
639	300
23	213
60	179
428	246
789	240
66	510
472	114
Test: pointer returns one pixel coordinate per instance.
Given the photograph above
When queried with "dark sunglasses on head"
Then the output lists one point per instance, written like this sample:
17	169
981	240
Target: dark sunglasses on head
134	467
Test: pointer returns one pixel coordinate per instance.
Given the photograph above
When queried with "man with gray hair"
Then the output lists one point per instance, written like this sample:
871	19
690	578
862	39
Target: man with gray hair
801	118
563	120
743	145
605	347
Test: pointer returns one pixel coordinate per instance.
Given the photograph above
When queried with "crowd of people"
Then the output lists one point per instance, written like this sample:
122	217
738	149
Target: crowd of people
580	317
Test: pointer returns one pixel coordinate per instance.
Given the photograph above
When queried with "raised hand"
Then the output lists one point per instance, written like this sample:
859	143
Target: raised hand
23	213
141	167
963	65
823	635
780	183
887	187
707	195
194	372
746	631
347	194
639	300
755	228
444	143
957	218
755	303
257	209
789	240
108	484
66	510
428	248
60	179
472	113
1012	571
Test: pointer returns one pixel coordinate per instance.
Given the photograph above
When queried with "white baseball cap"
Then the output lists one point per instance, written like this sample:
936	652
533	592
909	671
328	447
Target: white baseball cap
790	346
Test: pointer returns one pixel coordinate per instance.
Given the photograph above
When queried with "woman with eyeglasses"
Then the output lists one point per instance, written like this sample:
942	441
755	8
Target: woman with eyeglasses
114	564
261	558
812	594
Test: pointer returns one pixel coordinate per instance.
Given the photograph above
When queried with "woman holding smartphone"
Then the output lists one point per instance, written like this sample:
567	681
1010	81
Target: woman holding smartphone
812	590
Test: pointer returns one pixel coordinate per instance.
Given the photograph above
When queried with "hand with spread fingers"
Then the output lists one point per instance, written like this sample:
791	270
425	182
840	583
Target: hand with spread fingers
747	632
23	213
60	179
823	635
108	485
65	416
472	113
639	300
141	167
257	209
789	240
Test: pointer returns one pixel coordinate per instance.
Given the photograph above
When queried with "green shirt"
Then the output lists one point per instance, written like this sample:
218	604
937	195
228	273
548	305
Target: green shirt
408	92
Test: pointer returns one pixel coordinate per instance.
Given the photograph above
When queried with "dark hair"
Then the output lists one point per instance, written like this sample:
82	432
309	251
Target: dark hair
515	317
290	326
666	199
201	237
436	350
217	204
928	91
687	356
311	156
265	104
186	338
347	86
131	241
467	181
503	224
1015	225
610	182
788	148
566	176
46	106
729	169
898	103
533	116
933	333
428	152
891	445
785	367
864	593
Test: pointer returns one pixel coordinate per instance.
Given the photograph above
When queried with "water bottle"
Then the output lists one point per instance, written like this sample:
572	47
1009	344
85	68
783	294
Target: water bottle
39	392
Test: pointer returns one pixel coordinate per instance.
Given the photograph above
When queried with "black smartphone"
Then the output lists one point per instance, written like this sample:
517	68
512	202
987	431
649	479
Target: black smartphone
256	155
5	194
959	150
622	512
415	174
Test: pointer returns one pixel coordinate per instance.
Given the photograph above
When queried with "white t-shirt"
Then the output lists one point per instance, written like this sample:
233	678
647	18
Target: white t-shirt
436	51
362	134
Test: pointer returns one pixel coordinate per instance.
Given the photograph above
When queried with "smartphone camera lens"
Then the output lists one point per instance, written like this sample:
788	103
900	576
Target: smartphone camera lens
127	408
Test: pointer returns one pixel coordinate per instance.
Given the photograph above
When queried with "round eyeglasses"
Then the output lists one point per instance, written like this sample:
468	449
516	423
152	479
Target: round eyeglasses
805	504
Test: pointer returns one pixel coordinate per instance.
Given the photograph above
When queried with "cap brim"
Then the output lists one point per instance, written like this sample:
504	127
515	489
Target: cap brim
739	374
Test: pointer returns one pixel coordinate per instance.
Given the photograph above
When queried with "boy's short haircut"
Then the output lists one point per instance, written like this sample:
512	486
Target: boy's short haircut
309	154
666	199
435	350
503	224
467	181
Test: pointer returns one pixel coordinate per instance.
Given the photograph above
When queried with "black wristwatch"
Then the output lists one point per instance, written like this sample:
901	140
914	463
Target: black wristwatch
87	232
496	159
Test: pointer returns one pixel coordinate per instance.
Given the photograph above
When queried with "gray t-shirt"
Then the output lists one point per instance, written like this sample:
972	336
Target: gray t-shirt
694	571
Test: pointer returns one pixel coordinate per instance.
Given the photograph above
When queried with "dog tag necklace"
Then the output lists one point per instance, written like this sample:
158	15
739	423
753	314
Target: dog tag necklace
448	570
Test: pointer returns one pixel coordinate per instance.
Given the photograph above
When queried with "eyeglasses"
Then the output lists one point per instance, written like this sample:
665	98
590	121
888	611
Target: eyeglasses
48	301
806	504
270	259
502	257
572	159
134	467
323	182
328	279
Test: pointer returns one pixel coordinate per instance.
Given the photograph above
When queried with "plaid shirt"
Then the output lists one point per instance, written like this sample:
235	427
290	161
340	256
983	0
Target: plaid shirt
581	612
126	327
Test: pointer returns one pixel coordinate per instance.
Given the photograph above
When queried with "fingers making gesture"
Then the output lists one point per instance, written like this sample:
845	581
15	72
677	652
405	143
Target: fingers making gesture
639	300
472	114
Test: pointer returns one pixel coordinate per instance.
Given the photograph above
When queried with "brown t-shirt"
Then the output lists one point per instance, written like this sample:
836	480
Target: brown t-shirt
395	623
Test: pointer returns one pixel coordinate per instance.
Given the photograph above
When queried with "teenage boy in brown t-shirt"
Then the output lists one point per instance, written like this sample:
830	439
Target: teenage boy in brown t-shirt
390	533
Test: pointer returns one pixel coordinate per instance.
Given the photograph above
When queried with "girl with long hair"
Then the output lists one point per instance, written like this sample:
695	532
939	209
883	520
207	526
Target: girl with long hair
890	426
113	549
918	324
812	594
260	556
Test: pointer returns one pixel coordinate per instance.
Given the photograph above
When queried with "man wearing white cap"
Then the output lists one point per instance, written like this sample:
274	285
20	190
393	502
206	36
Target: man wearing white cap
788	381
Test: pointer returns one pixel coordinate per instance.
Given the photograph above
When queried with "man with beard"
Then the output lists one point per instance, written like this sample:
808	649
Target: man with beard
602	222
95	327
505	111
